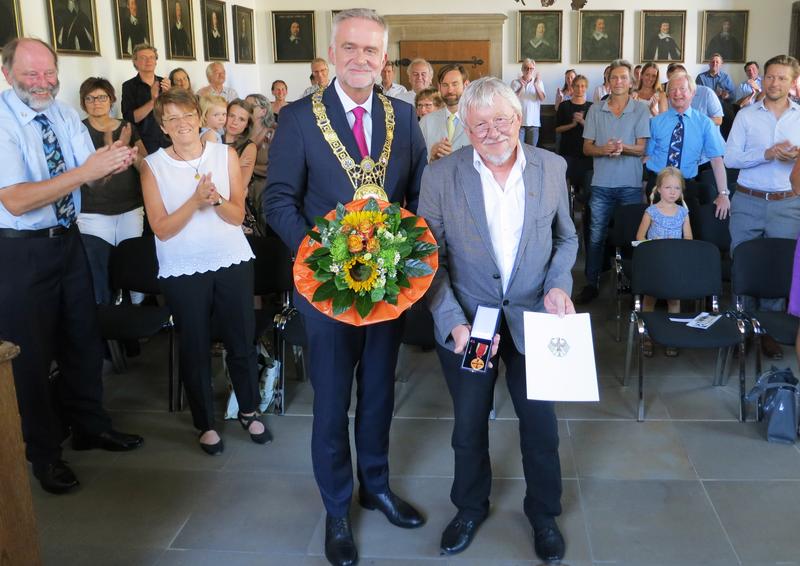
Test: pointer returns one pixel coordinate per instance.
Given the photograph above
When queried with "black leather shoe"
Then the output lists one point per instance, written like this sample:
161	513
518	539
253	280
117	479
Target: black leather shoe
55	477
340	548
110	440
458	535
399	512
548	543
587	294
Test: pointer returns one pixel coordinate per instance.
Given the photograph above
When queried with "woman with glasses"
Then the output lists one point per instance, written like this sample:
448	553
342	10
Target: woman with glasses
111	211
194	197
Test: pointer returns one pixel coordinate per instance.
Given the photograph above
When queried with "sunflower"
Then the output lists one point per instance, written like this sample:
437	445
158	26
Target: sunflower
361	220
360	274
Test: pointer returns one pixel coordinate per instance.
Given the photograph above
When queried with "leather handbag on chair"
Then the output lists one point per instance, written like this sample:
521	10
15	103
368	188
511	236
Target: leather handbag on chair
778	397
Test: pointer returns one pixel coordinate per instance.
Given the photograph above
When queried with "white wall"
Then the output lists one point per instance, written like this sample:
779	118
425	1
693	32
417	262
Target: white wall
768	35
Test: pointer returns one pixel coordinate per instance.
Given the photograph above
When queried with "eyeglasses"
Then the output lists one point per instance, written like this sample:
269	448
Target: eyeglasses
501	124
89	99
167	120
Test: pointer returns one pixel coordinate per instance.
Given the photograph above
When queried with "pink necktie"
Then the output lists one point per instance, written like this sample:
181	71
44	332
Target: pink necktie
358	131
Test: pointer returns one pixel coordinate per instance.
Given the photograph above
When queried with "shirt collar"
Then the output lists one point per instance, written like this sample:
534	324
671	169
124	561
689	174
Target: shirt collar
688	113
348	103
628	106
519	163
760	105
24	113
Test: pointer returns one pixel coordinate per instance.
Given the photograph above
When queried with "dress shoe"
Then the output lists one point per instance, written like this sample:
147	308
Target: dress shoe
213	449
458	535
587	295
55	477
399	512
340	548
110	440
548	542
770	348
246	420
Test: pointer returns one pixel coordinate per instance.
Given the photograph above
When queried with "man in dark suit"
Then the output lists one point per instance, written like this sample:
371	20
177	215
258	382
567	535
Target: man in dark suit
178	36
500	214
662	46
597	45
216	37
74	29
133	27
309	183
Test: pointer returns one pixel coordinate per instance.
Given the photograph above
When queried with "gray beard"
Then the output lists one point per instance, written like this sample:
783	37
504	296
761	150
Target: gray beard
498	160
26	96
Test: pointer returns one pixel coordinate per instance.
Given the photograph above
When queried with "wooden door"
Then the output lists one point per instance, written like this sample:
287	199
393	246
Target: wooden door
473	54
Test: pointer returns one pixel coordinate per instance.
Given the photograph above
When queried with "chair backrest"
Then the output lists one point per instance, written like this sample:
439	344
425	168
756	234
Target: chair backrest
709	228
676	269
273	265
762	268
134	265
627	219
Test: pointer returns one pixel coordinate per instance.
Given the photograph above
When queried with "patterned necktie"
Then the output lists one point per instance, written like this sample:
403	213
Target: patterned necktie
65	206
451	127
358	130
676	144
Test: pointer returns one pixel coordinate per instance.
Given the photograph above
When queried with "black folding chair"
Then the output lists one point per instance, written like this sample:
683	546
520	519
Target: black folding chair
707	227
134	267
627	219
762	269
685	270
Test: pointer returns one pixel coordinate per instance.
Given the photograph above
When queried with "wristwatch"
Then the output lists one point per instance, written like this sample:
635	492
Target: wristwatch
219	201
724	192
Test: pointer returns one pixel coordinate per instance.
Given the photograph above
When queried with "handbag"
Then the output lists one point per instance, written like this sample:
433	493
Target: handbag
778	403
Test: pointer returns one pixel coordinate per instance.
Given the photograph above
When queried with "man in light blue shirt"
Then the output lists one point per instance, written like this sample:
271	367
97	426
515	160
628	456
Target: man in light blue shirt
46	298
720	82
763	145
748	90
700	138
614	135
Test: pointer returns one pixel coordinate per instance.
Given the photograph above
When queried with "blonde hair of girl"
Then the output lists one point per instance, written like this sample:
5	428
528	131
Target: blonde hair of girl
669	172
209	101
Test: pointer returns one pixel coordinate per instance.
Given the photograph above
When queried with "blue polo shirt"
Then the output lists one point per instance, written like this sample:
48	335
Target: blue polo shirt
700	138
23	158
720	80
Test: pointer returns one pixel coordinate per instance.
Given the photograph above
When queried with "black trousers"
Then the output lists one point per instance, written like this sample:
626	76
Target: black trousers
226	296
47	308
472	395
336	352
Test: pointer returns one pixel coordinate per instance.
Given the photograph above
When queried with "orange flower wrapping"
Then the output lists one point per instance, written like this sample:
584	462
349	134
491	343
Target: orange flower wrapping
382	311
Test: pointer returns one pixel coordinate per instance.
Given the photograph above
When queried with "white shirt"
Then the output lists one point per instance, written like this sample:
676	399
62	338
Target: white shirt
349	105
395	90
529	99
505	212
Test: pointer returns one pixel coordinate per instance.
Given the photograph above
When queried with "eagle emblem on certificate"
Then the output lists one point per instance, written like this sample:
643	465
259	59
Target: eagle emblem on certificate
558	347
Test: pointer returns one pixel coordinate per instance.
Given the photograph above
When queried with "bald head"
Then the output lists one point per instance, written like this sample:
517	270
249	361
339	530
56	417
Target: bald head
29	66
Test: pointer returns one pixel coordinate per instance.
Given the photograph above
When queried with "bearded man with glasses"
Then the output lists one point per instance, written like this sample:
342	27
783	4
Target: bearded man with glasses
500	214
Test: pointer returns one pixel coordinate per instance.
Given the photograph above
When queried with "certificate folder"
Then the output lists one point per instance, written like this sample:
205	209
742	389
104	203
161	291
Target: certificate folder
559	357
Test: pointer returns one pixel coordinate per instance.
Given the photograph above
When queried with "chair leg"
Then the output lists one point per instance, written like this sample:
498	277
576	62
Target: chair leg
757	348
628	353
640	416
719	366
280	357
618	337
171	370
118	361
742	385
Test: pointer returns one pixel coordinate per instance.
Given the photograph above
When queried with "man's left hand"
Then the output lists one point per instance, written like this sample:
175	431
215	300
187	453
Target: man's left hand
557	301
723	204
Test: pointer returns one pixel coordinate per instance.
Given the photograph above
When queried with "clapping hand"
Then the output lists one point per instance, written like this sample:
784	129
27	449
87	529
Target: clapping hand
206	192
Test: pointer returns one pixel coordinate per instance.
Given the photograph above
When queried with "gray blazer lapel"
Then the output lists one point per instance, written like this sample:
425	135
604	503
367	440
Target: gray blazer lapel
470	182
532	177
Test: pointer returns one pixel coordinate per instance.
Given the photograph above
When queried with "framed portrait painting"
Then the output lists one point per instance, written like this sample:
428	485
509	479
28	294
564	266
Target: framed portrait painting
215	30
179	29
10	21
293	36
243	48
73	26
599	36
539	35
132	25
725	32
662	36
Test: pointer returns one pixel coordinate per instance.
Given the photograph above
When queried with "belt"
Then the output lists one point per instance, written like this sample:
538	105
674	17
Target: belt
766	195
54	232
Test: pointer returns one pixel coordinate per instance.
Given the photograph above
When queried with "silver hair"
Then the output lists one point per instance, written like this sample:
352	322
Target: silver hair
681	75
418	61
480	93
268	120
364	14
527	60
210	68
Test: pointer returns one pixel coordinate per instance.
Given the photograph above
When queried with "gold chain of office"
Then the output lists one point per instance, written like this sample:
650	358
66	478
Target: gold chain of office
367	177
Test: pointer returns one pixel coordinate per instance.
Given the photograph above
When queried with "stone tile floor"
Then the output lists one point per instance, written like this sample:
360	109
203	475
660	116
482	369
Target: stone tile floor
690	486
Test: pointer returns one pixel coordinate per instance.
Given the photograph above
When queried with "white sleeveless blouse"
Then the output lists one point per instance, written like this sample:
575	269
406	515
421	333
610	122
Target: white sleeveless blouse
207	242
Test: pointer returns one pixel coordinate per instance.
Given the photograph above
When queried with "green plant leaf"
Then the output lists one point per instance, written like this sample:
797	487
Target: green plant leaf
391	288
402	280
391	299
392	209
415	233
321	222
323	276
324	263
314	235
371	206
377	295
405	249
408	223
363	304
340	283
417	268
423	249
319	253
342	301
341	211
324	292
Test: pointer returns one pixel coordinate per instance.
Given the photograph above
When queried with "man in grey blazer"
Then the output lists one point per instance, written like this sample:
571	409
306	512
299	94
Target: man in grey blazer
500	214
443	131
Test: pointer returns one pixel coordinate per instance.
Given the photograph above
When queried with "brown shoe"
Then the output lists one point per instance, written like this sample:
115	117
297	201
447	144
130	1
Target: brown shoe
770	348
647	347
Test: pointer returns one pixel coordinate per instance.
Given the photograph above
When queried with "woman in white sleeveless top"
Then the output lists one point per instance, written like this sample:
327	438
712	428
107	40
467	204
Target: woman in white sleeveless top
194	199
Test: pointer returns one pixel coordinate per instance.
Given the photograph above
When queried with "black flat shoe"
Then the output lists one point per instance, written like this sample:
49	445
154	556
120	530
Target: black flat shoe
458	535
213	449
246	421
399	512
548	543
340	548
110	440
56	478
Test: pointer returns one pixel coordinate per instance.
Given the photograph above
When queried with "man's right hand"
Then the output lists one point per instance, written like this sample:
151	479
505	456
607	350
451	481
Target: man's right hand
106	160
440	149
460	336
782	151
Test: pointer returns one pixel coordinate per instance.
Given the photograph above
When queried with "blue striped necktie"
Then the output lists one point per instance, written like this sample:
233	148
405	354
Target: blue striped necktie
676	144
65	206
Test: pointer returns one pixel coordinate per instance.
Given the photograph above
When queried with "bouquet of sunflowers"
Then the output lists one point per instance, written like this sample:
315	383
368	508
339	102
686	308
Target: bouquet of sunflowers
368	256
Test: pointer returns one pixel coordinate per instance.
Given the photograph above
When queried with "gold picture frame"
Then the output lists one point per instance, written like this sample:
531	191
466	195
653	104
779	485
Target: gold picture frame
128	34
179	41
10	21
73	31
539	35
244	48
730	43
662	38
600	43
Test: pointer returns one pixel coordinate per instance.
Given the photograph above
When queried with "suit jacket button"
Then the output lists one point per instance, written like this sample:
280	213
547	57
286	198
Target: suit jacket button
505	303
496	276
